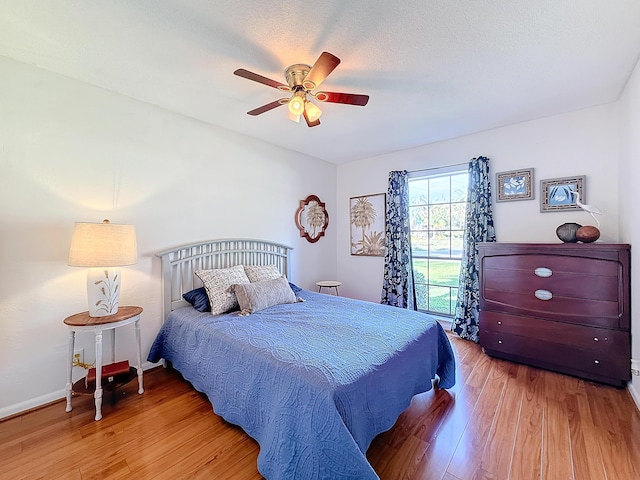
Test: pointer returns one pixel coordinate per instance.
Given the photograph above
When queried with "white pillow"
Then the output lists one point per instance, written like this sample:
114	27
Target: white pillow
260	273
257	296
217	282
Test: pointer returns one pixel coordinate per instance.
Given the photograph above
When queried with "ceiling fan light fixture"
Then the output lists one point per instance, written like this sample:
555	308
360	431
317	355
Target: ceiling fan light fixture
302	81
312	111
293	118
296	103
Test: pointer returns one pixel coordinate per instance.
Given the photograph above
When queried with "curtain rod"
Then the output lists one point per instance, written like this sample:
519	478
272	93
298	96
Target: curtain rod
438	168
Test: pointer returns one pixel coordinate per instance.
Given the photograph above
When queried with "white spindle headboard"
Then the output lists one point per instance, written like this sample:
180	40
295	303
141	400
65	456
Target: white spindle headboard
180	263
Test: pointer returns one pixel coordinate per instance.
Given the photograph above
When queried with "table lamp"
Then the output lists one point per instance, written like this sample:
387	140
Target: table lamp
103	247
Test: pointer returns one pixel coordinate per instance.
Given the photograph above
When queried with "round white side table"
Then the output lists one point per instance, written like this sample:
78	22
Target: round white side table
328	284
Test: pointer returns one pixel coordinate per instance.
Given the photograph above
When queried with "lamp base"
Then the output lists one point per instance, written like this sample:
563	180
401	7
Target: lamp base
103	291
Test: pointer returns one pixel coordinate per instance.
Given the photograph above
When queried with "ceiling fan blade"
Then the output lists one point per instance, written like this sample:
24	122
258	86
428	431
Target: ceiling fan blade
241	72
310	123
338	97
325	64
265	108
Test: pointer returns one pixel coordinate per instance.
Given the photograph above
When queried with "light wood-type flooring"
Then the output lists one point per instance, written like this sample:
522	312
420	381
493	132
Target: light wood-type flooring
501	421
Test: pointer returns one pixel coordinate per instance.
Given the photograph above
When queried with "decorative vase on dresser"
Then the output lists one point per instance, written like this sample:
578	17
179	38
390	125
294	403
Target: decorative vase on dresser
563	307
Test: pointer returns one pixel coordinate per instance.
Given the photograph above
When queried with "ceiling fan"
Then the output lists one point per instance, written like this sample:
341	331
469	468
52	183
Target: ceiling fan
302	80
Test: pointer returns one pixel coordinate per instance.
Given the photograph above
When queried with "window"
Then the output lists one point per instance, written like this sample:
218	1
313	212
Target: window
437	213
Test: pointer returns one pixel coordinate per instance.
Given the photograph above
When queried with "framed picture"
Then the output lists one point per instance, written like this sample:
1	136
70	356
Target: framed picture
556	193
312	218
367	216
514	185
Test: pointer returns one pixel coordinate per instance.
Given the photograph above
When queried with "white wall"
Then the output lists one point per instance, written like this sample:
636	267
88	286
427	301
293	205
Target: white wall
72	152
578	143
629	195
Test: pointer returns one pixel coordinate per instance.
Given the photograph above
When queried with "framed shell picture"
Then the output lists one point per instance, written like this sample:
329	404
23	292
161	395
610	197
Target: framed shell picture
556	194
514	185
367	217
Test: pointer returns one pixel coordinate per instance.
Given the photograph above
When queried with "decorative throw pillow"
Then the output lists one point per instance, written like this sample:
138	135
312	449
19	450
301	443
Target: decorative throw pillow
260	273
217	283
199	299
257	296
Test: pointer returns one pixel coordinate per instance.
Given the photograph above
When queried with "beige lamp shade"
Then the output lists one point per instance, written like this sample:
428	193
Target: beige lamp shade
104	247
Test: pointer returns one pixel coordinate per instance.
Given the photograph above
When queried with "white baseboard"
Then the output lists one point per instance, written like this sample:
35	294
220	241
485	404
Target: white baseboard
48	398
31	403
634	394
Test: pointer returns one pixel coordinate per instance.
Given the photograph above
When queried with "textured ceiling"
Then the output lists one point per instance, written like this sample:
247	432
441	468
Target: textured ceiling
434	69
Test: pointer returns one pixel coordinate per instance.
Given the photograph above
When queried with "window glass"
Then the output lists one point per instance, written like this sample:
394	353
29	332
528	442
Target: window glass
439	190
437	217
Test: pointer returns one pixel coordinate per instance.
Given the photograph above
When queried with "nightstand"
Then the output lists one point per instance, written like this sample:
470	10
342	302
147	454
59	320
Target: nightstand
328	284
82	322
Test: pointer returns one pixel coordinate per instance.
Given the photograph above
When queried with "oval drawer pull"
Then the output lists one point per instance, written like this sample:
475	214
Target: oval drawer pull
595	339
543	294
597	362
543	272
499	322
500	341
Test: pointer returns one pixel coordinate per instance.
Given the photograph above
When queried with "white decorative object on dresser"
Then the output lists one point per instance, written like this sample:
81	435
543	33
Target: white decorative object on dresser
564	307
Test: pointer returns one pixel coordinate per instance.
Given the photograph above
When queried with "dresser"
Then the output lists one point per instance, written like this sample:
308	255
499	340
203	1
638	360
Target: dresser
564	307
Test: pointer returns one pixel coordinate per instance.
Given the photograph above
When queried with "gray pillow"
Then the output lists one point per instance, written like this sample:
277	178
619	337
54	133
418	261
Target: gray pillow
253	297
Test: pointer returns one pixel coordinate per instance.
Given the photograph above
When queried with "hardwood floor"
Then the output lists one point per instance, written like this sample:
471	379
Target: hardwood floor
501	421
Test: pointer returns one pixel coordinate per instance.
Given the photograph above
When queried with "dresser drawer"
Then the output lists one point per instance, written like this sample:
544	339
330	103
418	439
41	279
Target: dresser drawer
550	345
571	277
561	308
556	263
601	341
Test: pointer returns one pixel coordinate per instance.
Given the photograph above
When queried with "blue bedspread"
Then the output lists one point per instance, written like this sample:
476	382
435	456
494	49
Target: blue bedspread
313	382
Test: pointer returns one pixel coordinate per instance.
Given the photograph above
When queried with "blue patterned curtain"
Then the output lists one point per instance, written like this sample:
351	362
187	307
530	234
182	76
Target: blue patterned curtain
479	228
397	288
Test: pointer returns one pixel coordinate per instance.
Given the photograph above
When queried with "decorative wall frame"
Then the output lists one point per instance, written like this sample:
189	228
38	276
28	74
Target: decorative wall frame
555	193
514	185
312	218
367	218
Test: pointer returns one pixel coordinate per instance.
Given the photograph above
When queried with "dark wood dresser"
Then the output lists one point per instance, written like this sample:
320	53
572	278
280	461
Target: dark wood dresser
563	307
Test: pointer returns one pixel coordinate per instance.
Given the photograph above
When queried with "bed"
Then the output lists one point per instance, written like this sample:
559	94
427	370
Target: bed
313	382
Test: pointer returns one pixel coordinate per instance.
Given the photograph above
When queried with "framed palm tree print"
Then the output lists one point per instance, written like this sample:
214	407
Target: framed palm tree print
367	214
